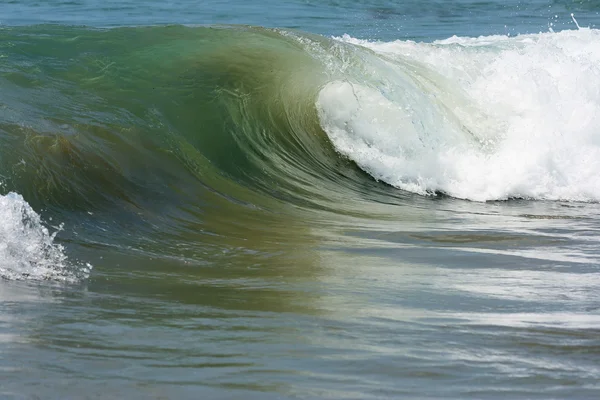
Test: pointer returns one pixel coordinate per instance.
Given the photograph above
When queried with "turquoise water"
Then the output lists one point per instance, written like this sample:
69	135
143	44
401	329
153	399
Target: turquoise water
371	19
302	200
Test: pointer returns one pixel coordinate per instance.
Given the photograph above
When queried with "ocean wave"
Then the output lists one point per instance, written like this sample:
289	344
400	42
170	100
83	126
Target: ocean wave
152	117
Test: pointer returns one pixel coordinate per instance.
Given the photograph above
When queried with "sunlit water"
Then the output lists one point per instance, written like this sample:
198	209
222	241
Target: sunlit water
371	201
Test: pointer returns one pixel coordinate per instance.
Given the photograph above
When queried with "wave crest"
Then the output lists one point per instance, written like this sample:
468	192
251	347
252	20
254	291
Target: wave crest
486	118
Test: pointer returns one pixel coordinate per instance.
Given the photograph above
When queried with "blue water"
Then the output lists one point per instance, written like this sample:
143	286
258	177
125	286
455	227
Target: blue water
384	20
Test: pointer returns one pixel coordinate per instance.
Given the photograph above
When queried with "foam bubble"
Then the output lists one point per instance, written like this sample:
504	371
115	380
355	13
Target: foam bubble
27	248
498	117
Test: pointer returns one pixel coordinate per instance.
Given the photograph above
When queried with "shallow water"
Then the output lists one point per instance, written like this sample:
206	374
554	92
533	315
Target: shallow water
335	200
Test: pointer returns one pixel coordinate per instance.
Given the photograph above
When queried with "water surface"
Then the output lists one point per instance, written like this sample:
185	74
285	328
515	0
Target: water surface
302	200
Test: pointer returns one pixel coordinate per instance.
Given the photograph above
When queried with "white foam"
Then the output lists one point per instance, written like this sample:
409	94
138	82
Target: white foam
477	118
27	248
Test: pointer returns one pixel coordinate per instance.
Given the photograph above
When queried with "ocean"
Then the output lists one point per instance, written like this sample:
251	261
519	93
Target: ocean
299	200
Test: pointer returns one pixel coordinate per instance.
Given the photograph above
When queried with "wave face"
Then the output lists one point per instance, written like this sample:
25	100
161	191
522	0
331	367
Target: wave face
167	140
487	118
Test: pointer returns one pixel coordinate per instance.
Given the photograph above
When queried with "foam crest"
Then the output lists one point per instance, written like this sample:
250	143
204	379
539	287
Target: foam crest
27	248
499	117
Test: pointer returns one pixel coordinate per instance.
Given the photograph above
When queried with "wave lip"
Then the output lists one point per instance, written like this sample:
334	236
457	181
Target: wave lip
27	248
499	117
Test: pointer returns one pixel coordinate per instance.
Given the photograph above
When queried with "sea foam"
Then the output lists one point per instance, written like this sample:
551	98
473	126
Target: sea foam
486	118
28	250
